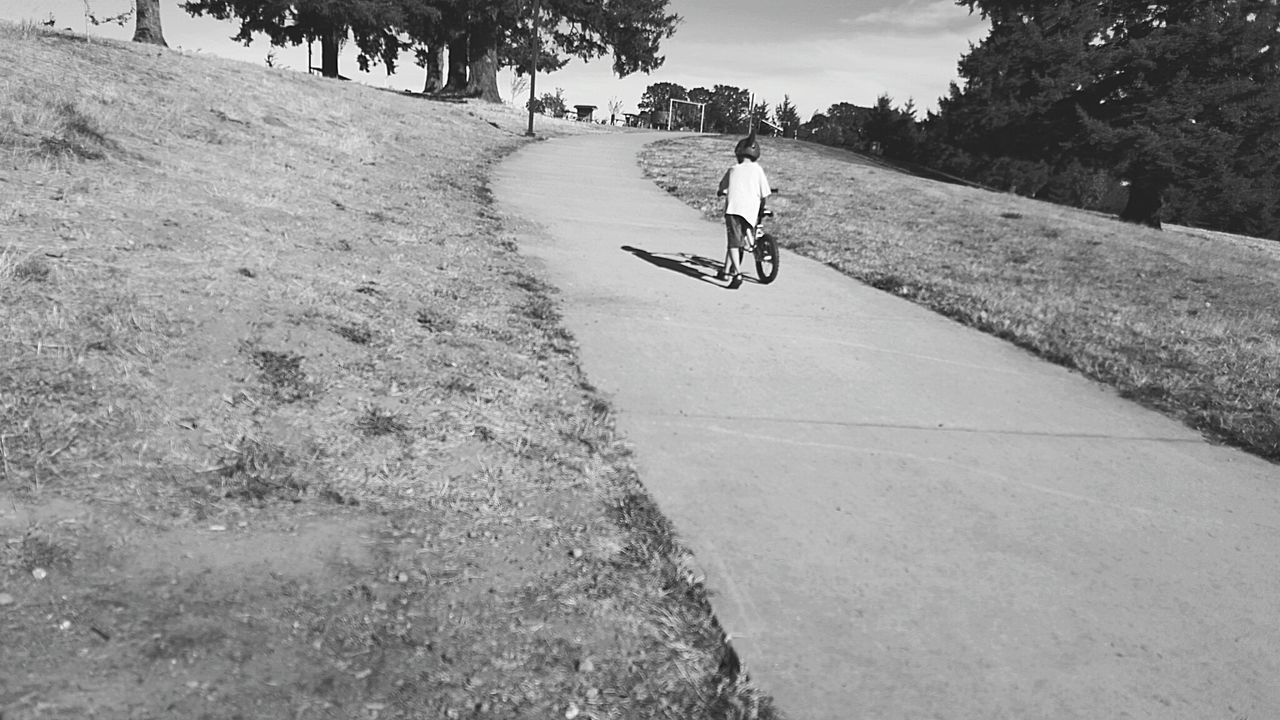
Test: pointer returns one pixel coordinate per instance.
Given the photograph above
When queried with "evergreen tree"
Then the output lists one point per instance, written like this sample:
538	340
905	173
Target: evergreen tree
892	130
880	123
1178	98
788	117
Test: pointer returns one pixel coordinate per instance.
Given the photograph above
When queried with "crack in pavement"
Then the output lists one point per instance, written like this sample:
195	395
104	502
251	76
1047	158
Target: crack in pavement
1190	440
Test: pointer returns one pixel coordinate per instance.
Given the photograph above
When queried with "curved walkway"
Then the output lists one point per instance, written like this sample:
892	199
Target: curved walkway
899	517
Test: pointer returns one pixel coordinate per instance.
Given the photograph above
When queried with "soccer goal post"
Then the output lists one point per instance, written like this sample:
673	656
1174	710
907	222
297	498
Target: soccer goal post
687	110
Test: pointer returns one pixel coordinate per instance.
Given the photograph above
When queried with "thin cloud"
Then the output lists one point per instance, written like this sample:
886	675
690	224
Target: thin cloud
918	19
918	16
901	61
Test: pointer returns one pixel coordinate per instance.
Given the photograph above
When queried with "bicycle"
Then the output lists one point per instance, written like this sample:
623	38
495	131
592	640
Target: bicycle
765	249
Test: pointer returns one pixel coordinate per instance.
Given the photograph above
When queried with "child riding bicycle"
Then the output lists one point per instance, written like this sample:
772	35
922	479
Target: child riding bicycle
746	188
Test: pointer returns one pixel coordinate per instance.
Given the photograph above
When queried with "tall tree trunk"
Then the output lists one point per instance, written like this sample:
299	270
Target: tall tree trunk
330	44
435	70
147	29
457	65
1146	197
483	83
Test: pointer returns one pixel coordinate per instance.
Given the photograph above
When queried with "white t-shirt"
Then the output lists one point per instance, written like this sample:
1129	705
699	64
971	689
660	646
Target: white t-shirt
745	185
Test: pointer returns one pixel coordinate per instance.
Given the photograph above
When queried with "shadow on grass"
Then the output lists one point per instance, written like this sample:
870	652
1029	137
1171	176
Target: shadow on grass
694	266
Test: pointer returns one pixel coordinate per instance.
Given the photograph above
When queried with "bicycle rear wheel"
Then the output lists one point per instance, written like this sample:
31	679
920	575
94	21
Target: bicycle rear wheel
766	258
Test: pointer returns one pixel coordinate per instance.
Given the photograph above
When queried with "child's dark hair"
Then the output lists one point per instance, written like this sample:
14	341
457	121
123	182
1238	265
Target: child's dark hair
747	147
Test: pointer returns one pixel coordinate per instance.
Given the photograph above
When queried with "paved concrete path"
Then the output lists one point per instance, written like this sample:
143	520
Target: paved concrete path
900	517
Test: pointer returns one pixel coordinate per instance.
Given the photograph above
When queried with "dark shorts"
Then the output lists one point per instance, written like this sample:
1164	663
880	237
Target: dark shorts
736	228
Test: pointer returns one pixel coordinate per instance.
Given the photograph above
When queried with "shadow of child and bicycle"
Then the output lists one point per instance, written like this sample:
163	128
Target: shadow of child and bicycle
697	267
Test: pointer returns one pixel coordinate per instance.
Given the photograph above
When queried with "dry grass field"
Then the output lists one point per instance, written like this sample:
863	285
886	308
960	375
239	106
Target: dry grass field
288	430
1182	320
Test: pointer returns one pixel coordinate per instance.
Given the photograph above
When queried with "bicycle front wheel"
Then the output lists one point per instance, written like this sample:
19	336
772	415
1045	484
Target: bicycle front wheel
766	258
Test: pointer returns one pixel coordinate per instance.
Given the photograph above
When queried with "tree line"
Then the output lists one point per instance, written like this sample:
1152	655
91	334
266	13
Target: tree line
1179	102
724	109
729	109
461	43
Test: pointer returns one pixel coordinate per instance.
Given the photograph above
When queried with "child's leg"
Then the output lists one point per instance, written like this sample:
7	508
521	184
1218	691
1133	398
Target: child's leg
732	255
732	262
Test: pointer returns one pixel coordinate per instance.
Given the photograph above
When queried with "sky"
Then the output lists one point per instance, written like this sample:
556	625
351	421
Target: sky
817	52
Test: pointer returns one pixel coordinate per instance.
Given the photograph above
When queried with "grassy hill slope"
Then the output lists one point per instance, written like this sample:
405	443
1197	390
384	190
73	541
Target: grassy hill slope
287	429
1182	320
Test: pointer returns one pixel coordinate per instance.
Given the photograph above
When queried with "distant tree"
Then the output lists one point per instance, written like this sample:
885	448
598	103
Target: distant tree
147	28
880	121
788	117
734	105
552	104
730	108
840	126
657	97
726	107
812	128
892	129
699	95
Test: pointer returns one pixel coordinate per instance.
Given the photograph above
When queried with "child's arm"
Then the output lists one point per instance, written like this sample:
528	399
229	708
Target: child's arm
724	185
